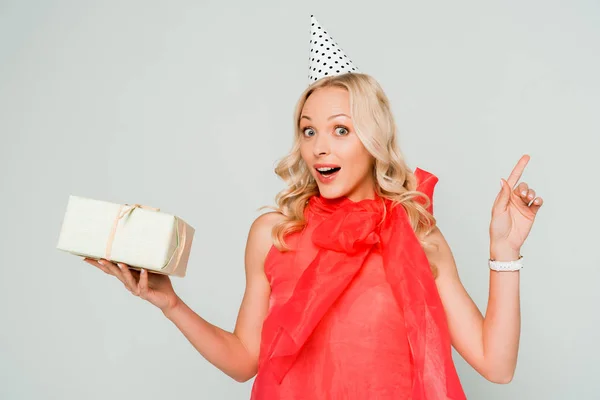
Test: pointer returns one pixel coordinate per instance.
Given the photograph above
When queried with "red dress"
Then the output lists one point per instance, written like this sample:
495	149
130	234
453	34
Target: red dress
336	326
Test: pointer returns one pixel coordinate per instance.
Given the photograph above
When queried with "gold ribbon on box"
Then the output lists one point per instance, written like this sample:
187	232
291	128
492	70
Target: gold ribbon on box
126	209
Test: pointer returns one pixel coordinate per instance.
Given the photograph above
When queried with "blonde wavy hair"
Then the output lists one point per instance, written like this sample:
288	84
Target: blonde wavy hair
375	127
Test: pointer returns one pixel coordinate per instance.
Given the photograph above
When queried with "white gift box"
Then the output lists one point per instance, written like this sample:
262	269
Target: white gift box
137	235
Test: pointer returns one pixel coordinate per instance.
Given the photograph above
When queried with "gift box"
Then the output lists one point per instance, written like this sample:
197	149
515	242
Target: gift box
134	234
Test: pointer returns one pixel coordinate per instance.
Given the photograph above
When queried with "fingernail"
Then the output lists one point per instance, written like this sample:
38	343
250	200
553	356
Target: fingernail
143	271
100	262
120	265
523	193
501	183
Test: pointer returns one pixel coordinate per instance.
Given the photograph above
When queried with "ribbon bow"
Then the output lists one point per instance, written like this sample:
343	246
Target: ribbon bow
130	207
124	210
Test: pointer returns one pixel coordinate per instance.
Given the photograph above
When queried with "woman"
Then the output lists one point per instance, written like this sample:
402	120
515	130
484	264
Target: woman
351	289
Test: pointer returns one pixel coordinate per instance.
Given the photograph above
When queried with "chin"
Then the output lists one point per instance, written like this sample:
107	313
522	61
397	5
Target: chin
331	193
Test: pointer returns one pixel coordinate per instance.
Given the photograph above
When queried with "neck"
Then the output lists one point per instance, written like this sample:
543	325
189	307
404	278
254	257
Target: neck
356	197
366	192
352	197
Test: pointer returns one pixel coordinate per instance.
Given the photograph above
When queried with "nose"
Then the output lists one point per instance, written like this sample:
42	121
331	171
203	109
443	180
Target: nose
321	145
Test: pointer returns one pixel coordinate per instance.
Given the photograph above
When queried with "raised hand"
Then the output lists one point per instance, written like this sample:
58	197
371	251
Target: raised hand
514	210
155	288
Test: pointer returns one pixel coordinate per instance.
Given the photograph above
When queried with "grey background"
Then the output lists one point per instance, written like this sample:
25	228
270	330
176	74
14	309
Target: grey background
187	105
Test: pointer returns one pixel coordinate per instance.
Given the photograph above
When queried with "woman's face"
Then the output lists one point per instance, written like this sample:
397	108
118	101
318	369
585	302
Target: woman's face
334	154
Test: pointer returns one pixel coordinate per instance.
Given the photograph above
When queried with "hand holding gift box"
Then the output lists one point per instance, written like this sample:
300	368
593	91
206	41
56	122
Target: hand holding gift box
136	235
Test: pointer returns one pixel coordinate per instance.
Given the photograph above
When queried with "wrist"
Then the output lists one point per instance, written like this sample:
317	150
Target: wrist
504	253
174	304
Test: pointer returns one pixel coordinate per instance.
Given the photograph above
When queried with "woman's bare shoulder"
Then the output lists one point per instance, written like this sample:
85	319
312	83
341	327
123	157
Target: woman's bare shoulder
260	238
268	220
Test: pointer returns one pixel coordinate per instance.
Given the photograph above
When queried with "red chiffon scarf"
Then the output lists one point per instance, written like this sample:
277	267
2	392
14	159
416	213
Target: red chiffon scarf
345	238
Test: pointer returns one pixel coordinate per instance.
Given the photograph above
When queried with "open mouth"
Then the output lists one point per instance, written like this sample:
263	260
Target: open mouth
327	171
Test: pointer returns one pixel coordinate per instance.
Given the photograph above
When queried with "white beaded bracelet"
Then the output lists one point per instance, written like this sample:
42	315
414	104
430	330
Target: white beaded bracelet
506	265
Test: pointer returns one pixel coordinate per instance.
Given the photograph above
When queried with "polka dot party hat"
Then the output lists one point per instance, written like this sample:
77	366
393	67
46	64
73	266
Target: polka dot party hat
326	58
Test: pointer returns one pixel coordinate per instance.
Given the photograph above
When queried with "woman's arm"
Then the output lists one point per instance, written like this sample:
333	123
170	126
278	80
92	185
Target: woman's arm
236	354
490	345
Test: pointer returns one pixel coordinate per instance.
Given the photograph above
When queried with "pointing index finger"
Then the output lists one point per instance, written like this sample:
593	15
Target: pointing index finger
517	171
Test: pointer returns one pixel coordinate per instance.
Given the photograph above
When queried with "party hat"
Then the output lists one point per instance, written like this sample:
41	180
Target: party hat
326	58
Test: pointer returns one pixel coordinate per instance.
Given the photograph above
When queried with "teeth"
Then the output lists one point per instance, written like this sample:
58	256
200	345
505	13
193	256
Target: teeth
325	169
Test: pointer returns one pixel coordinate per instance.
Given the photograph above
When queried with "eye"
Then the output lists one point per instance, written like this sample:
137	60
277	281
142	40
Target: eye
308	132
341	130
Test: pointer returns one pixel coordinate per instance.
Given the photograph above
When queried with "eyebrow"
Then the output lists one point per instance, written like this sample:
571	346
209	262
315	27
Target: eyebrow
332	117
